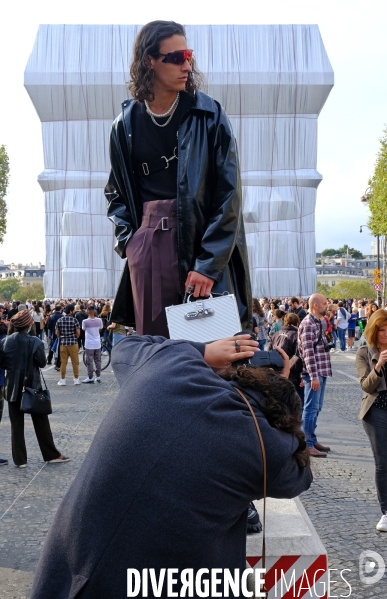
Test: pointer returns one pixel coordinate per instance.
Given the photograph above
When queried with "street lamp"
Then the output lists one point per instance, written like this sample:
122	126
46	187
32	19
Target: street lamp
365	198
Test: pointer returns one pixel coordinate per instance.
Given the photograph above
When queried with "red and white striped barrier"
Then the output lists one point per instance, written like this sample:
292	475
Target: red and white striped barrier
296	560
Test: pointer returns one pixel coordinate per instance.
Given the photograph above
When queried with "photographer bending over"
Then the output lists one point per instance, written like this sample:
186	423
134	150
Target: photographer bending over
173	467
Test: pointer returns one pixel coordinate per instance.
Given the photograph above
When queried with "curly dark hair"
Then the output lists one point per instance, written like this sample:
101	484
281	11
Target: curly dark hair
257	308
147	43
278	401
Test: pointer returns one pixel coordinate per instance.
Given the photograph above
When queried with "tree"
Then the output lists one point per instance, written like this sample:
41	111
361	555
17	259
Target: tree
34	291
9	289
378	196
4	179
357	288
351	251
323	288
343	250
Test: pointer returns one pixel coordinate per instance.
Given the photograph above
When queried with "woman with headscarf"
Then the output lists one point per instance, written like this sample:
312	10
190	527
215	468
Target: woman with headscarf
21	356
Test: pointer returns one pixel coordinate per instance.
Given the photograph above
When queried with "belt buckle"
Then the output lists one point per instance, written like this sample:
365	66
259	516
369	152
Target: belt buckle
145	168
163	219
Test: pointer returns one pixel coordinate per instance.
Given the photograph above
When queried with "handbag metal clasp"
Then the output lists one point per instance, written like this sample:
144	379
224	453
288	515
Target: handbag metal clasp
202	312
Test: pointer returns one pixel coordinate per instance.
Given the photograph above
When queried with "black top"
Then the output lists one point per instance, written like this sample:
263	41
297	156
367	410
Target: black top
150	143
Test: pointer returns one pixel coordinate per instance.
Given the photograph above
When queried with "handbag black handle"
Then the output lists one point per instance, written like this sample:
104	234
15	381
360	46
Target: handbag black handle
30	369
29	365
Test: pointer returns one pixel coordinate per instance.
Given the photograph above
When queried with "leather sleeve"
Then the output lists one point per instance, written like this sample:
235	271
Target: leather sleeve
118	205
223	226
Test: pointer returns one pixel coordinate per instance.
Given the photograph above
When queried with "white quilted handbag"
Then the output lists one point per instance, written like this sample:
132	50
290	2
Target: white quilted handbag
204	320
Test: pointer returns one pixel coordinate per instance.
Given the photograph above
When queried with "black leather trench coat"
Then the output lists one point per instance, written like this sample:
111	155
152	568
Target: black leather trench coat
210	233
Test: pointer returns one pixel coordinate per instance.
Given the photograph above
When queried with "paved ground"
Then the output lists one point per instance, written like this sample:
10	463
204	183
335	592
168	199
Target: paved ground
29	498
342	502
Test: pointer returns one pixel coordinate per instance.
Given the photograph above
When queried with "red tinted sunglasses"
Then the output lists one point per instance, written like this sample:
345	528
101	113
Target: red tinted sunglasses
178	57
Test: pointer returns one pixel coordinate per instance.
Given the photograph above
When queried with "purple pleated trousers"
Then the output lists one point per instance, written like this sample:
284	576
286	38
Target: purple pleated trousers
153	265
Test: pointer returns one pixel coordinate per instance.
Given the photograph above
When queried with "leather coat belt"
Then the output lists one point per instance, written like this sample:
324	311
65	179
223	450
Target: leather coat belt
164	223
159	224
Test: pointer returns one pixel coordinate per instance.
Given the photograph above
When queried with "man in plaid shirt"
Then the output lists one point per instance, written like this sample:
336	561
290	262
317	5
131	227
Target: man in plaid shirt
68	331
316	368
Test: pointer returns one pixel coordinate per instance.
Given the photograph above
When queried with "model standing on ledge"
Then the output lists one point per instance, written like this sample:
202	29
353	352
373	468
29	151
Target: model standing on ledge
174	191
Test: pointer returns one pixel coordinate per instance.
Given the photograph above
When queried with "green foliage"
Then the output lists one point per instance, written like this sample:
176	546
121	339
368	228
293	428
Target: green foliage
4	179
343	250
9	289
13	289
323	288
378	183
32	292
357	288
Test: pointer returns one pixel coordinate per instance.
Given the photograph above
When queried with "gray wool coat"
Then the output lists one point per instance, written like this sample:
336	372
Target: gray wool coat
168	477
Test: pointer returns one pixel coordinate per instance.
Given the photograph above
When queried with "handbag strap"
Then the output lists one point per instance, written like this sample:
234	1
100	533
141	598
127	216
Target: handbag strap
41	374
30	363
264	475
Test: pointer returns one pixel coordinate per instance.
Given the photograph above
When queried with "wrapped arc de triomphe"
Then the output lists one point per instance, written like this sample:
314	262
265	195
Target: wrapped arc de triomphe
273	81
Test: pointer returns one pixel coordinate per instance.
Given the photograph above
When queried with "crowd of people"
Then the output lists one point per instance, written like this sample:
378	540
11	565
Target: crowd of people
344	322
308	332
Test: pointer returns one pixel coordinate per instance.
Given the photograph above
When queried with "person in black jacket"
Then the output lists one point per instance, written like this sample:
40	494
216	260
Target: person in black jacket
51	326
296	308
21	356
173	467
174	191
81	315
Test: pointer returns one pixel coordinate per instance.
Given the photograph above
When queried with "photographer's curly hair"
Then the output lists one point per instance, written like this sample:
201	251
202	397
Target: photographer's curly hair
147	43
278	401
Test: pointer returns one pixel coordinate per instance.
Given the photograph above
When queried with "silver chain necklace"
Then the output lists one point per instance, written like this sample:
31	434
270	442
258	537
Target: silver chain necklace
159	116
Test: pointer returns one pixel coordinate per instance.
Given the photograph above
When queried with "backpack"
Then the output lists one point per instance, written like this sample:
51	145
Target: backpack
283	341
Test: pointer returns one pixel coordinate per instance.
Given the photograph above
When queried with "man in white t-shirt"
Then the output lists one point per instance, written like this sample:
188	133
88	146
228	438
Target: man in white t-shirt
92	327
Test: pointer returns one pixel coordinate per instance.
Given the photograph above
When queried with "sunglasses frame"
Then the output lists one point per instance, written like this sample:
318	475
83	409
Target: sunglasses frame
176	52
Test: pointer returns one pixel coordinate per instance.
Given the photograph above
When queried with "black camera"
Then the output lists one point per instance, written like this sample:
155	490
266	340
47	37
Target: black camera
261	359
266	359
329	346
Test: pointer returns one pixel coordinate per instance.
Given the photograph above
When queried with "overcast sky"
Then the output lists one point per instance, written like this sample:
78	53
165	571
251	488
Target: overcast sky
350	125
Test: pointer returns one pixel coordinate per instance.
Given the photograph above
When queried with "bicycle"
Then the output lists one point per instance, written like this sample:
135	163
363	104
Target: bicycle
105	356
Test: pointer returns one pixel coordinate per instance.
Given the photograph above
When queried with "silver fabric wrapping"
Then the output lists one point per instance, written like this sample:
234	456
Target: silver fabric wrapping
273	81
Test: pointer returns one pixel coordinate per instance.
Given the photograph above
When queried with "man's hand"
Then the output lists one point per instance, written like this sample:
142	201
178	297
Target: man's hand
202	284
220	354
315	384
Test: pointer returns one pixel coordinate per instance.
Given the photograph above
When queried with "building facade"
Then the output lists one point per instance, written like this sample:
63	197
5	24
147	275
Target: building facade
26	274
332	270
